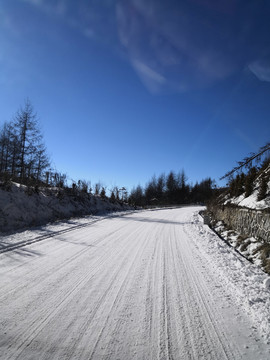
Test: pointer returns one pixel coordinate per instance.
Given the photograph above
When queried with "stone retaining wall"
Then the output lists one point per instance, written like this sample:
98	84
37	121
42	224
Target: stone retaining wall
245	221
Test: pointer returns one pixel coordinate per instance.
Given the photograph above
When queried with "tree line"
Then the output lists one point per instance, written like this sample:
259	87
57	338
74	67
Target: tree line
24	159
172	189
23	154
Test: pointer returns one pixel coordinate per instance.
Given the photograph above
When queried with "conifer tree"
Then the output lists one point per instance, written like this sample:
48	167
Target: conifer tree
171	185
32	157
263	188
249	181
103	193
22	152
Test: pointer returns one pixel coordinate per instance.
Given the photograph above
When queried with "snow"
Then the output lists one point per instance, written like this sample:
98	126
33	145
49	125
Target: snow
247	246
244	280
153	284
250	202
33	235
267	283
18	210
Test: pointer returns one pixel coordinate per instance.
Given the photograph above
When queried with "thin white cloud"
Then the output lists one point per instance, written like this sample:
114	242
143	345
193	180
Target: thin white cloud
58	7
35	2
171	43
167	45
150	78
64	9
261	69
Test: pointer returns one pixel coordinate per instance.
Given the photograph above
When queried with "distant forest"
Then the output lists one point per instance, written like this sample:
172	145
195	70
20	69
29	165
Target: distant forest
172	189
24	159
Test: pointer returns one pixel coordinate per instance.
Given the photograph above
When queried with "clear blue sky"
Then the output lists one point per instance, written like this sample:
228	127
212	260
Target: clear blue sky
128	89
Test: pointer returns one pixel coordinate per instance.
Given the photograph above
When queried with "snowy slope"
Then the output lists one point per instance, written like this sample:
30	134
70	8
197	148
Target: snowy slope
147	285
251	201
18	210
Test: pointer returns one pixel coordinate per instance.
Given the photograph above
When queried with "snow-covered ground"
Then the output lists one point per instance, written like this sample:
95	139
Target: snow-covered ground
19	210
249	247
147	285
250	202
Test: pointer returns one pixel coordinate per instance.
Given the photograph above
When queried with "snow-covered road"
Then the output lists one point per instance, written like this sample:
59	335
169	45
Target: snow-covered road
148	285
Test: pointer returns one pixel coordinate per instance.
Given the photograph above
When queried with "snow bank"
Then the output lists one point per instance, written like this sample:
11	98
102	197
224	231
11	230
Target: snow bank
247	283
19	210
250	202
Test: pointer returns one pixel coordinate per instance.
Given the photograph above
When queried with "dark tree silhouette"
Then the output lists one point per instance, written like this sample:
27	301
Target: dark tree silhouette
23	154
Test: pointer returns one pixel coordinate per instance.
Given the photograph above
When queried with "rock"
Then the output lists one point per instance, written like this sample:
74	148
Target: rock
267	283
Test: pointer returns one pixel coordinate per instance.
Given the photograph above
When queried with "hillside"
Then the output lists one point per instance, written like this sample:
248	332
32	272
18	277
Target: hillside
259	196
23	207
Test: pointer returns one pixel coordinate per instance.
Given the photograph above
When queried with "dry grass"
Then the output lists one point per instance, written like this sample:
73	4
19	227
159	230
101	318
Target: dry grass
240	240
244	245
264	251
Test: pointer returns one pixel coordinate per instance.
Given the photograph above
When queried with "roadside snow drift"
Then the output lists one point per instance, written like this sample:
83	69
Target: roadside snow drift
23	208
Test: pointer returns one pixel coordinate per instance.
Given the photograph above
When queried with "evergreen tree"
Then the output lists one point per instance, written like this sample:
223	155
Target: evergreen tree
249	181
103	193
9	149
136	197
237	185
32	157
22	152
160	188
182	190
112	197
97	188
171	185
263	187
151	191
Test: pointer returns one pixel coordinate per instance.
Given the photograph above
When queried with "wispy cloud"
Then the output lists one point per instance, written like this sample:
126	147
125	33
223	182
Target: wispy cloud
35	2
151	79
93	19
180	45
58	7
193	44
261	69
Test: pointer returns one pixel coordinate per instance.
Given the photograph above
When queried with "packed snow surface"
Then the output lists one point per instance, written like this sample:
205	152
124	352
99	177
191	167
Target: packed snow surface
147	285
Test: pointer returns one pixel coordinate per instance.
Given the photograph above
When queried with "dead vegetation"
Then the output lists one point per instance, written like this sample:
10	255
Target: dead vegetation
264	251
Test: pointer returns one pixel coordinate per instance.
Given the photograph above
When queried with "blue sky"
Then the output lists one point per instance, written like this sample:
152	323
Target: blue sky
128	89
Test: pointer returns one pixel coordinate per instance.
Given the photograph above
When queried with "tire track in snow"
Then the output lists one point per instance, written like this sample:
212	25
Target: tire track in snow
9	289
203	317
118	296
100	301
23	243
123	308
165	335
141	293
42	317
